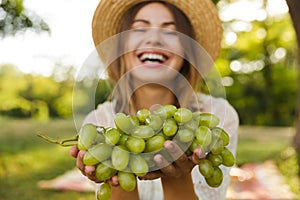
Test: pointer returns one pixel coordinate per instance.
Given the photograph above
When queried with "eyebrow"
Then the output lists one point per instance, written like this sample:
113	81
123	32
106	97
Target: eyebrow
147	22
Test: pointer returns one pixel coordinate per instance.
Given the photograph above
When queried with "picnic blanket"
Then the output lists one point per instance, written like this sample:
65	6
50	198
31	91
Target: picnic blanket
252	181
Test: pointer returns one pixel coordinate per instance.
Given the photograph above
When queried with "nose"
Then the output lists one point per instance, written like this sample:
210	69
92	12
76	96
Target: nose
154	37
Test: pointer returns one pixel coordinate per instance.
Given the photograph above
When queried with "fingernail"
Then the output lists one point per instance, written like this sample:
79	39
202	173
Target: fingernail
81	154
170	146
115	181
200	153
158	159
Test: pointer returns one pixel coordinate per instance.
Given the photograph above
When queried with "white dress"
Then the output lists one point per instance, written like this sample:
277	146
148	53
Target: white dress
152	189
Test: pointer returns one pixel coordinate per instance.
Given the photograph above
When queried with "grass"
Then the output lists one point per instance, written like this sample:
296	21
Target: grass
257	144
25	159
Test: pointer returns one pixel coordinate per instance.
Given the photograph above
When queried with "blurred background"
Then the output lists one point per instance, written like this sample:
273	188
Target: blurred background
44	43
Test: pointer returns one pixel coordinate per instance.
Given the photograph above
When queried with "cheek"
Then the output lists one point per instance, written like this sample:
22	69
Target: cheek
178	62
128	58
132	43
175	46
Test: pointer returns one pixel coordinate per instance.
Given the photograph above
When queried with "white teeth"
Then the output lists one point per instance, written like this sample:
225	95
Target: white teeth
152	56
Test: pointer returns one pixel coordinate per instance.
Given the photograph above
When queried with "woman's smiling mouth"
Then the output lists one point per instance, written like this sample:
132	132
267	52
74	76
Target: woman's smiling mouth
152	57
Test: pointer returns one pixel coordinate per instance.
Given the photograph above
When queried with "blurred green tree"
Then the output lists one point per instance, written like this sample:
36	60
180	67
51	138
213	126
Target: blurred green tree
14	18
259	69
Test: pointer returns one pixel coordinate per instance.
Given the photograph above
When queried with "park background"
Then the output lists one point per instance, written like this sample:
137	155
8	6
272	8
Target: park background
44	43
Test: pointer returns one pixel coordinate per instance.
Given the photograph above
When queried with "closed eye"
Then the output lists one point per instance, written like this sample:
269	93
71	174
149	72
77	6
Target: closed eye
139	30
168	32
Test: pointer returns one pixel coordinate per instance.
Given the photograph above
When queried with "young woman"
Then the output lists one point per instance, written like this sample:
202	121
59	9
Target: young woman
158	63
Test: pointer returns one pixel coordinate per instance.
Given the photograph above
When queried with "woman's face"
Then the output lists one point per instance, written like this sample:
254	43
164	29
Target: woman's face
154	48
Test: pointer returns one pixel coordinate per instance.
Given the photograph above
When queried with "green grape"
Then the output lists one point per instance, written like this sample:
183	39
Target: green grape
217	143
104	171
155	122
216	179
155	143
216	160
80	145
192	125
161	133
194	145
170	110
183	115
170	127
142	115
206	168
149	159
104	192
124	123
100	151
219	132
120	157
135	121
123	139
185	135
87	135
217	147
108	163
138	165
182	145
228	158
165	111
135	145
90	160
99	138
196	115
208	119
143	131
203	136
127	180
112	136
225	137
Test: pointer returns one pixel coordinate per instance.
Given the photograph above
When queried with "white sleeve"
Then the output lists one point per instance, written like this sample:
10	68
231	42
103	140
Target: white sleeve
229	121
102	116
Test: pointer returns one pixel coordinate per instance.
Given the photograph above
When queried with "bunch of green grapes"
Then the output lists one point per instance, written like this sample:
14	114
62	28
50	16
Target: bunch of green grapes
127	149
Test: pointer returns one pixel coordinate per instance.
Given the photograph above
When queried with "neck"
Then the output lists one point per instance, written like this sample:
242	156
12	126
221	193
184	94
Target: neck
151	95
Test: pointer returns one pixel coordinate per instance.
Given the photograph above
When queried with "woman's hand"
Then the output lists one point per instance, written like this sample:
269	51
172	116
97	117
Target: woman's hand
181	166
88	171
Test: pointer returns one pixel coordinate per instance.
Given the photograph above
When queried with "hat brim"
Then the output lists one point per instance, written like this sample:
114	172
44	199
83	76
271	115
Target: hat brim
202	14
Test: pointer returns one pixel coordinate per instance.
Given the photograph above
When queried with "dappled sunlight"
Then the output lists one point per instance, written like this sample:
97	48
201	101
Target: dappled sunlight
246	67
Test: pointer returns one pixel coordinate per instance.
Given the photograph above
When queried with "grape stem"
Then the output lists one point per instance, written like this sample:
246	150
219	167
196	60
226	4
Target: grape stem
64	143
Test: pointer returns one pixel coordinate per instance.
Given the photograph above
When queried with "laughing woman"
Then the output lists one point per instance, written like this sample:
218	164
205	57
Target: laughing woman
158	63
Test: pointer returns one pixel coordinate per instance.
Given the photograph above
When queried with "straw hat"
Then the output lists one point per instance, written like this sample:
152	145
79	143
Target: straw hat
201	13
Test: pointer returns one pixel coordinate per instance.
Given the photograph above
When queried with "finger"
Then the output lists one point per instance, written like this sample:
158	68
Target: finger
198	154
173	149
181	160
114	181
90	172
74	151
166	168
152	175
79	161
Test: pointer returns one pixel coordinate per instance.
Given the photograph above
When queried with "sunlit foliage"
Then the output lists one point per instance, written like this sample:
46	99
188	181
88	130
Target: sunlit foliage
14	18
